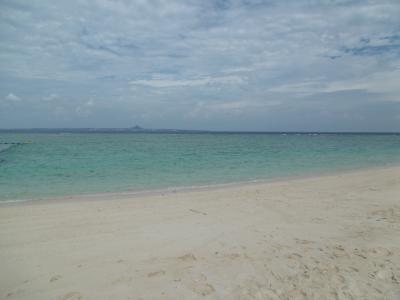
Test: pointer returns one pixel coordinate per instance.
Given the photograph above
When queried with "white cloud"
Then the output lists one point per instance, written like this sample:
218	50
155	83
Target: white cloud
382	83
299	88
13	97
51	97
229	107
160	82
85	109
386	83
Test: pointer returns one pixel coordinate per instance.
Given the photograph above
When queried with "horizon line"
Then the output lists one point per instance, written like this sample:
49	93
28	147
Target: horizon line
136	129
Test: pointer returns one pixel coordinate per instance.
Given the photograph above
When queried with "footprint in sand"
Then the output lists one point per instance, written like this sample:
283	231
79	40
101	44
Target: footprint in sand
55	278
187	257
386	275
72	296
391	215
304	242
379	252
251	289
156	273
198	212
198	284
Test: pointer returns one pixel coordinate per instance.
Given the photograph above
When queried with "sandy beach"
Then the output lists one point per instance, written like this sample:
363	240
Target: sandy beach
326	237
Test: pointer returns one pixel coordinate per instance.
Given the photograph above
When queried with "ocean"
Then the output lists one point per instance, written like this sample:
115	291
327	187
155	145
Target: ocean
62	164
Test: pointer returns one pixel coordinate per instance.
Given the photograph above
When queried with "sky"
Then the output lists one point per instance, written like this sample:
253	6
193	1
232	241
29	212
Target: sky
263	65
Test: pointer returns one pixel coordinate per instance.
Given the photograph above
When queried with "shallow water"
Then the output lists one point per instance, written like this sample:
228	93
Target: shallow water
78	163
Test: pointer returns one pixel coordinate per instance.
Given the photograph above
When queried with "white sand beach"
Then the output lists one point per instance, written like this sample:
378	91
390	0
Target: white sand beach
327	237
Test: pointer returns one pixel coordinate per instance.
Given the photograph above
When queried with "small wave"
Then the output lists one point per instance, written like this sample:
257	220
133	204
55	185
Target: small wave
5	147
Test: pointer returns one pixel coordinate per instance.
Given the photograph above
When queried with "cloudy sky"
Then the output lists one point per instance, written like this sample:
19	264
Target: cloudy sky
327	65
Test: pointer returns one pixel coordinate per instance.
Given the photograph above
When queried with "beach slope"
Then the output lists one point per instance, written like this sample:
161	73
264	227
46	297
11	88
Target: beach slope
326	237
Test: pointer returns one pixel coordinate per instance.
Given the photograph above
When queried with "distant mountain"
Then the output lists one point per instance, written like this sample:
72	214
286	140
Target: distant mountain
136	127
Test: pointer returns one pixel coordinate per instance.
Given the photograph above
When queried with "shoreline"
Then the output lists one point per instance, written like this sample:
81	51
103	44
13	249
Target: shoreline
188	189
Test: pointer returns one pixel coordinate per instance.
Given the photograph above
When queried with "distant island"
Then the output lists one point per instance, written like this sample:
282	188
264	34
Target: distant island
139	129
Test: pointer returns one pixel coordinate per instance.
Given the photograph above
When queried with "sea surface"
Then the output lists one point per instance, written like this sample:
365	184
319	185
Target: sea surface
80	163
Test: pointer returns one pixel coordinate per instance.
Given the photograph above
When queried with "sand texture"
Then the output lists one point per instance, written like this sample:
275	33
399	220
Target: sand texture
327	237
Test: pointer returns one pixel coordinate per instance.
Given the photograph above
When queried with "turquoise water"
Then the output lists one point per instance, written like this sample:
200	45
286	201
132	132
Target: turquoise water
65	164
